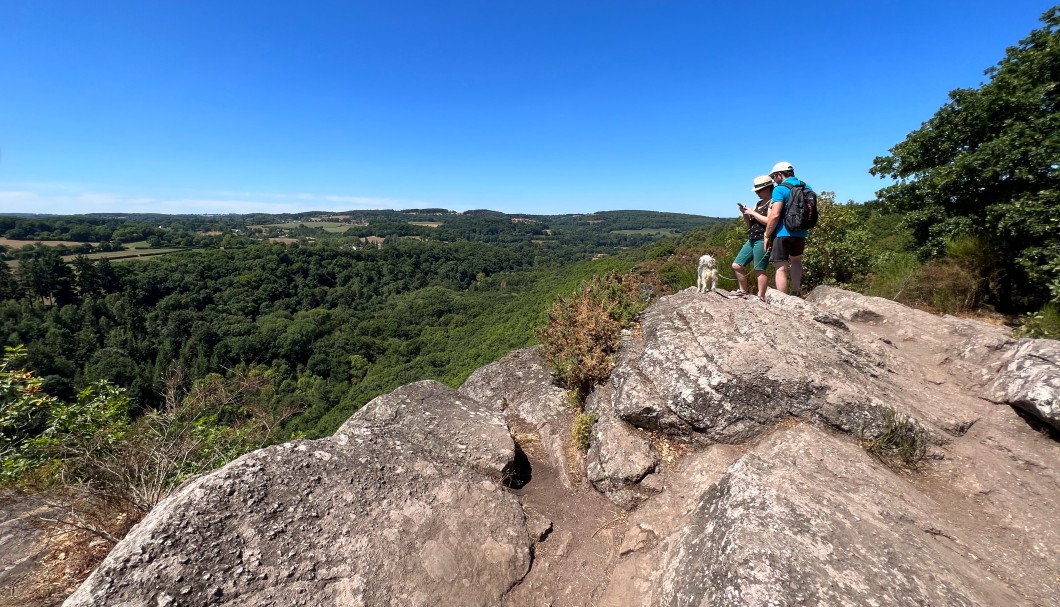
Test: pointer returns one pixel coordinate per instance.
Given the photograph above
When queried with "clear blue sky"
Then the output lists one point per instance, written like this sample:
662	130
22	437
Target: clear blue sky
530	107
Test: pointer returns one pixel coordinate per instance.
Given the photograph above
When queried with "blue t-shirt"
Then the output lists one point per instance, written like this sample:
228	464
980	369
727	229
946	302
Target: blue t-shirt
781	194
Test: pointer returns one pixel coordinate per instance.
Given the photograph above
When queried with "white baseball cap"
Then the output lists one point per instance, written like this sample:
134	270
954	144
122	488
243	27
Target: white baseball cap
782	167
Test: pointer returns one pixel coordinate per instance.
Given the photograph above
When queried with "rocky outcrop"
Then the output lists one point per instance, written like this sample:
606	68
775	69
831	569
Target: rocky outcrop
620	456
800	513
1030	379
438	424
1023	373
808	517
403	505
520	387
728	442
20	537
724	373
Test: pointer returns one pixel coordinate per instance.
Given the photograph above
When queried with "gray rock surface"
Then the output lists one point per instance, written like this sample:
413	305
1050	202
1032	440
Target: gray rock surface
619	456
802	515
809	518
724	370
1030	379
438	423
401	506
1023	373
520	384
20	537
864	533
618	459
728	438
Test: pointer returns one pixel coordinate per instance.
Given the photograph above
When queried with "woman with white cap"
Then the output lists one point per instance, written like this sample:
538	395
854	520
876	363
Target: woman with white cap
754	248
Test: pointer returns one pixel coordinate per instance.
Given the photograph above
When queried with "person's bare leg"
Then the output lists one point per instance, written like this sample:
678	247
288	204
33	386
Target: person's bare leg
782	276
796	274
741	278
763	283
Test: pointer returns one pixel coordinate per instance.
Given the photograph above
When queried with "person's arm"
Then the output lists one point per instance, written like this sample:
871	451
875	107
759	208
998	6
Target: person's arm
772	221
743	213
760	218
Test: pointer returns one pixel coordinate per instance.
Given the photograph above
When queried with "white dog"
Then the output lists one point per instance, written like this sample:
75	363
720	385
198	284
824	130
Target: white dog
707	274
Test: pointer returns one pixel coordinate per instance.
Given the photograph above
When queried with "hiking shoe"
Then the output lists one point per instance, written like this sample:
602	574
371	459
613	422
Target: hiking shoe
740	293
797	294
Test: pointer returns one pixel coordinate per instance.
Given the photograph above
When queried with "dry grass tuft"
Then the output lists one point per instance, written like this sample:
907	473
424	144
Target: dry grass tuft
70	554
527	441
901	443
583	331
670	449
618	517
575	462
582	430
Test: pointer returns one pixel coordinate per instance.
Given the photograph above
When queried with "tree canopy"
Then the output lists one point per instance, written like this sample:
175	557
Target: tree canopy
988	164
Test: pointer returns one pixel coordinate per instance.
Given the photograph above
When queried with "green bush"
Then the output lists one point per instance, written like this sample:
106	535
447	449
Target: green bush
1053	268
93	448
943	285
678	274
35	427
837	251
950	288
1043	323
892	275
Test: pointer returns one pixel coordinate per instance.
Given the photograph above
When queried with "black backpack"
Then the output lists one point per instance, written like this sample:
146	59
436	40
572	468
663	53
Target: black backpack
800	212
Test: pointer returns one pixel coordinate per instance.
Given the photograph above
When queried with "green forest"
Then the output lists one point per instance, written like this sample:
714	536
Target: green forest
245	330
331	320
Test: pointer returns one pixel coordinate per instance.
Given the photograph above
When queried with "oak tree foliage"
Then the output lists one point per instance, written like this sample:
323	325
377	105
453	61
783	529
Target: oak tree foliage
988	164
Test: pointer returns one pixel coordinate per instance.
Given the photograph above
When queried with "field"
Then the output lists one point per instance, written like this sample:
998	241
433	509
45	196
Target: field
654	231
126	255
426	224
123	255
21	244
329	226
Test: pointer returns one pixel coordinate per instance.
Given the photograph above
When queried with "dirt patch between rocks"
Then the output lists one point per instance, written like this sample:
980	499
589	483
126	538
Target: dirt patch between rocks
573	563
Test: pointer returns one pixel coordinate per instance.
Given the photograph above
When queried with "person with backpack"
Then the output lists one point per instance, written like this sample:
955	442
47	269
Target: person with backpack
756	219
792	212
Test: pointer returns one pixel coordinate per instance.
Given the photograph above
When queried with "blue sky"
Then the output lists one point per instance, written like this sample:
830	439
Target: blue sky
541	107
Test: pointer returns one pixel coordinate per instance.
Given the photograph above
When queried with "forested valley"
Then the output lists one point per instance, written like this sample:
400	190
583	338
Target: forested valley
328	319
